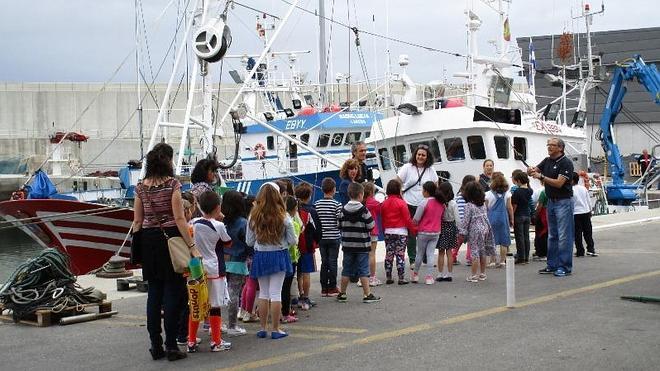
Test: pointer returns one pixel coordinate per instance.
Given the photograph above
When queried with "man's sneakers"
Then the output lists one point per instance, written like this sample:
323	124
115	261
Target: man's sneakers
444	279
371	298
546	270
333	292
224	345
561	272
342	298
592	253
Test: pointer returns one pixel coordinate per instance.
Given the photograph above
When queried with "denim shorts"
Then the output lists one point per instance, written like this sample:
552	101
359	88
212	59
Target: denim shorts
355	264
306	263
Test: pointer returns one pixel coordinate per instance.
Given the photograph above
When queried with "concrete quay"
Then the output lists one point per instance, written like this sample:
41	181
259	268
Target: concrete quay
575	322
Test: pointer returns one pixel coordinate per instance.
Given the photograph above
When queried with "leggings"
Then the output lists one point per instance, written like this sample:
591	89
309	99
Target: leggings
426	244
270	287
235	284
286	295
248	295
412	243
395	245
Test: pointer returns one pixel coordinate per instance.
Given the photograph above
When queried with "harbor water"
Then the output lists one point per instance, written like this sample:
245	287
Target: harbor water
16	247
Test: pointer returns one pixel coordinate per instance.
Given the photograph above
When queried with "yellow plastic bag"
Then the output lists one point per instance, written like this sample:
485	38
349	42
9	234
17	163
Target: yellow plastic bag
198	299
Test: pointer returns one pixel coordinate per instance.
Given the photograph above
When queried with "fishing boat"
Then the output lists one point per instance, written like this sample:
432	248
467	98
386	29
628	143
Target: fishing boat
91	230
280	130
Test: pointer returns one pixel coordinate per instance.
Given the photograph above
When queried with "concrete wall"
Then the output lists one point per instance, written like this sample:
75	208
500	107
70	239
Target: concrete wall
30	113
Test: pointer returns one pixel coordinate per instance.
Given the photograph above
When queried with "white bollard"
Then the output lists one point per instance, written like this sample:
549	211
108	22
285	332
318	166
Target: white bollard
510	281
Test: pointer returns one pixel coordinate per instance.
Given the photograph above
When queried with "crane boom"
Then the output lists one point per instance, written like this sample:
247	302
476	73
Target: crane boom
618	192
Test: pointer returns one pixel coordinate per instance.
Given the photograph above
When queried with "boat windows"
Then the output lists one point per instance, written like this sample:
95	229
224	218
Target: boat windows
520	148
336	139
352	138
433	147
502	147
367	134
400	156
454	149
385	161
270	142
501	115
323	140
476	147
304	138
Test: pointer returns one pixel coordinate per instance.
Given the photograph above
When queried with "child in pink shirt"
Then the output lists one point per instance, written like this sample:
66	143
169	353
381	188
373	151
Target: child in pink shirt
374	208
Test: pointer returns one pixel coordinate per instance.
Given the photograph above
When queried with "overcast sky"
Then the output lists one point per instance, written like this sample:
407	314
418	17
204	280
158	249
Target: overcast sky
86	40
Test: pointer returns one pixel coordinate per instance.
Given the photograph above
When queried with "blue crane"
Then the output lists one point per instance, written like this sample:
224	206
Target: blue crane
617	191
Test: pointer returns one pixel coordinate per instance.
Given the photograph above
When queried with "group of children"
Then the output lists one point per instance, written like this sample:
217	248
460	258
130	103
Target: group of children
263	243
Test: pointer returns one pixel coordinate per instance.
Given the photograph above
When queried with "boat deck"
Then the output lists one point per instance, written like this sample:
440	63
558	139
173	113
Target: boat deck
575	322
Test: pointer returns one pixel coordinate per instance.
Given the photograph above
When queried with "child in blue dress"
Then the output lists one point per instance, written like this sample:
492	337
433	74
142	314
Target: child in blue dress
500	215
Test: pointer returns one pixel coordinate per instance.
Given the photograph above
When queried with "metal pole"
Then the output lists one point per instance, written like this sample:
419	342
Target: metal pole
323	98
168	91
137	80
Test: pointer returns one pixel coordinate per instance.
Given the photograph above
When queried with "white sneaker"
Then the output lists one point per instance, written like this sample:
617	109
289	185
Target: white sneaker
236	331
245	317
414	277
224	345
429	280
359	283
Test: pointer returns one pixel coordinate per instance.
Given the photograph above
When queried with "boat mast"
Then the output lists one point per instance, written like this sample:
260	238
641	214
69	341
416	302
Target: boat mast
137	80
322	57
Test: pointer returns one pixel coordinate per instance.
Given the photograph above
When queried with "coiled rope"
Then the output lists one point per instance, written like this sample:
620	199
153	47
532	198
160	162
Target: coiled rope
45	282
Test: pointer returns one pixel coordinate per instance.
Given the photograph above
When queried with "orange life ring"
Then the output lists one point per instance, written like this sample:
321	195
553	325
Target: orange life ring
260	151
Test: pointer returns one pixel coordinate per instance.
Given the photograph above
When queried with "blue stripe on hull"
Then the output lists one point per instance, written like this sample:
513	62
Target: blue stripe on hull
252	186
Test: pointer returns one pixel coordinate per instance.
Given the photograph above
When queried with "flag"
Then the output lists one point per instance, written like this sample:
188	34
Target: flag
507	30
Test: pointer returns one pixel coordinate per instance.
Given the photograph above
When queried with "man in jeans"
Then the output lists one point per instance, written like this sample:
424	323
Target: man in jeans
556	171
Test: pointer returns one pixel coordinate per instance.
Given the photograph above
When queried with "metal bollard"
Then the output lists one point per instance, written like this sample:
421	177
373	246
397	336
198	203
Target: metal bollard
510	281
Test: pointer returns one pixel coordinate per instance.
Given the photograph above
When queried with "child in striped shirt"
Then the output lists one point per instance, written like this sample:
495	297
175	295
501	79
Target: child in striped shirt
329	211
356	224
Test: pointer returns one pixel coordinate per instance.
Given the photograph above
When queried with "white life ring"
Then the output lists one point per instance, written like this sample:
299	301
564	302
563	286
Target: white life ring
260	151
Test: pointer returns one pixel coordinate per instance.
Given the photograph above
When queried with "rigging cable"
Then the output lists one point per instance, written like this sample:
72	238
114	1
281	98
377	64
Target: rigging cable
428	48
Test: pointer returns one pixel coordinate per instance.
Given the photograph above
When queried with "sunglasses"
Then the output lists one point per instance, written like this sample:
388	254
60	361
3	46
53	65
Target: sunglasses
422	146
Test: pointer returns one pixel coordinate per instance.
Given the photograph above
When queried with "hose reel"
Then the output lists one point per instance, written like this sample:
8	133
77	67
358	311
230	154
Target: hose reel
212	40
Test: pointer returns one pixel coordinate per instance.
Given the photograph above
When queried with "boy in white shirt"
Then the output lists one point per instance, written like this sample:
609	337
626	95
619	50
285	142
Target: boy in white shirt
582	218
211	238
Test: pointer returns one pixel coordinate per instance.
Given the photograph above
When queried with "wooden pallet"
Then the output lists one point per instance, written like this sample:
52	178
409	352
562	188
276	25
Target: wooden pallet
46	317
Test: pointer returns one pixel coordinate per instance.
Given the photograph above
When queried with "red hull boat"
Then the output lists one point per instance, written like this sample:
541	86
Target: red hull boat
88	233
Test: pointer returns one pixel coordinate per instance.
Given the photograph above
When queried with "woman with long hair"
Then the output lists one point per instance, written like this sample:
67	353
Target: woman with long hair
270	230
412	176
158	210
